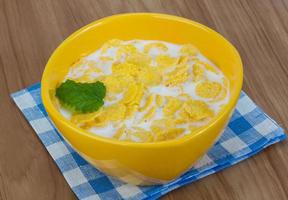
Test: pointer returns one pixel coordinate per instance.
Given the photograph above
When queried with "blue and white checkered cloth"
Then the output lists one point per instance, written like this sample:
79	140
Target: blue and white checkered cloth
249	131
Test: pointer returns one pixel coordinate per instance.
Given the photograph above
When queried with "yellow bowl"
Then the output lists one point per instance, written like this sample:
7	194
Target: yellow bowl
142	163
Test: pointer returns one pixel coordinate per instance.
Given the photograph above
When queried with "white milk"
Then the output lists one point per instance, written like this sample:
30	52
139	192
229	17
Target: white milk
188	87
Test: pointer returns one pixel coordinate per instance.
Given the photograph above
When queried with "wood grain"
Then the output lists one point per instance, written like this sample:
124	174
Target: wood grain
31	29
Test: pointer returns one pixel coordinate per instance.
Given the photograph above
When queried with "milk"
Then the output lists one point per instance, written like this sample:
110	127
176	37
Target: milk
187	87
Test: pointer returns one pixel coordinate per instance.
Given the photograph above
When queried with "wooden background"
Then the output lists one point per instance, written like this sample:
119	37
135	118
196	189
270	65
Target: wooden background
31	29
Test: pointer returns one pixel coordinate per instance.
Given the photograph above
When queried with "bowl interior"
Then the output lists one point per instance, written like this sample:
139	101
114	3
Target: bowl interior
142	26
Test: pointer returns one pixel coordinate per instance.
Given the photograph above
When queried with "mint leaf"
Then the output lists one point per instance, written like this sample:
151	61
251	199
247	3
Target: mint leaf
81	97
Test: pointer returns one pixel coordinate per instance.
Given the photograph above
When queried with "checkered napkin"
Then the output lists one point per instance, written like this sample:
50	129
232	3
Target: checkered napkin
249	131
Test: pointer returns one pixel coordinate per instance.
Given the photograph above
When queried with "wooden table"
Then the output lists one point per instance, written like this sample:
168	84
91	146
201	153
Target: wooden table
31	29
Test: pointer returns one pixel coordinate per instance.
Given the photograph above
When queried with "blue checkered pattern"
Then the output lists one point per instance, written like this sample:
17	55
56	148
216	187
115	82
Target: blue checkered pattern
249	131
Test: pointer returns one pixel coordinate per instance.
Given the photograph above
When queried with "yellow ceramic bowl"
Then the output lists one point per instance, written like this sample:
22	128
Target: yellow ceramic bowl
142	163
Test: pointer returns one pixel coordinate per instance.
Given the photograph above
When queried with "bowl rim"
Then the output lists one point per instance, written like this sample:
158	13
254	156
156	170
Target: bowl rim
51	110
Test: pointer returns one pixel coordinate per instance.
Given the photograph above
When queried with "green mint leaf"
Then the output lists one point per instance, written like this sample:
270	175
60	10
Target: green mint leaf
81	97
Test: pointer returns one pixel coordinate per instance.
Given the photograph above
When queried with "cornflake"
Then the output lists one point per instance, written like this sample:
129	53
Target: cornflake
155	91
